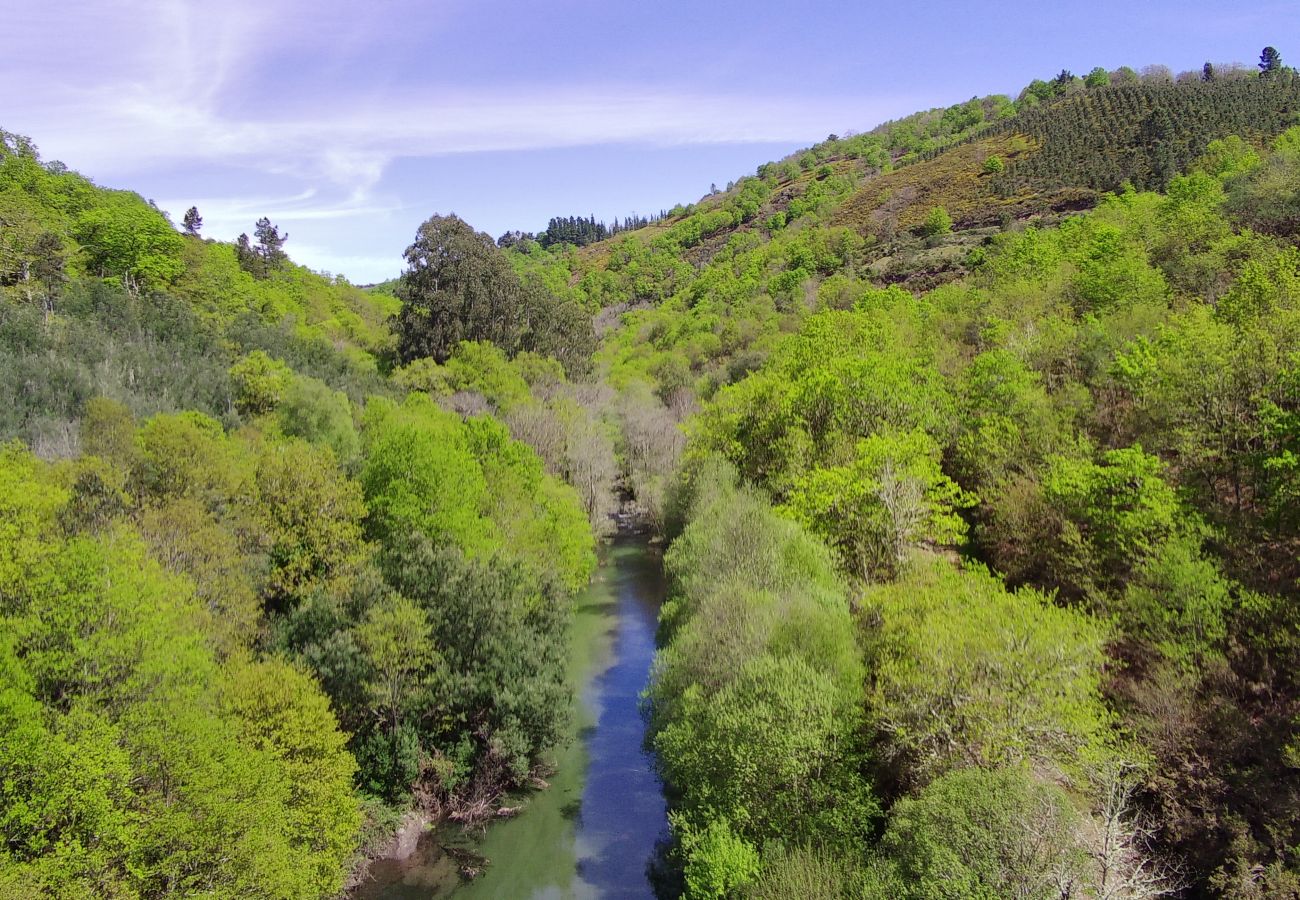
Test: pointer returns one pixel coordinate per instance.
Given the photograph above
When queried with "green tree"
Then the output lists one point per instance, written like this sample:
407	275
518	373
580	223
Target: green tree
1270	61
767	754
965	672
270	246
134	763
279	710
937	222
982	835
312	516
248	259
458	286
312	411
890	498
192	222
431	473
126	238
108	431
718	863
503	641
398	643
260	382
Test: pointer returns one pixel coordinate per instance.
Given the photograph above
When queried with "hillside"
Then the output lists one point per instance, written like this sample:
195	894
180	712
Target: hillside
972	443
1088	389
103	297
986	162
256	597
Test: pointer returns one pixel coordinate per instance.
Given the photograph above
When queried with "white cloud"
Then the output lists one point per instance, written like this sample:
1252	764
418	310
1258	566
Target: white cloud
176	82
180	86
351	142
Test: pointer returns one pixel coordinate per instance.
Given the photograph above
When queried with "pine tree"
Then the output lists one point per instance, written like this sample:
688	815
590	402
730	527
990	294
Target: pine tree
192	221
1270	61
270	246
248	258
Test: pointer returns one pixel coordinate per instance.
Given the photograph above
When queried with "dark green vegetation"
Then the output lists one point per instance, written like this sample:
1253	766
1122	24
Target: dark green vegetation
578	231
459	287
975	439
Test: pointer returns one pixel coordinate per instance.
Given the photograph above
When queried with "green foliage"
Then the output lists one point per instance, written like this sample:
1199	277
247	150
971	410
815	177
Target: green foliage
280	710
762	753
892	496
126	238
259	382
421	476
718	863
313	515
458	286
473	366
843	377
810	874
140	765
1097	77
937	222
428	472
980	834
1121	507
967	672
313	412
754	695
1142	133
500	649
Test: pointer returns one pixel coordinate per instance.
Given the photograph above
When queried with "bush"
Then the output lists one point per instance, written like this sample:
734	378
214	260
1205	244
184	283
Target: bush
937	222
980	834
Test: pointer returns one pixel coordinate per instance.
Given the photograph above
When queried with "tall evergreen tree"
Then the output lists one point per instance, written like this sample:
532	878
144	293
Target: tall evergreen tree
270	245
192	221
247	257
1270	61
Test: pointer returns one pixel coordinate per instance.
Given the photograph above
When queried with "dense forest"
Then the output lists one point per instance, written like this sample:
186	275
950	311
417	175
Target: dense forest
973	442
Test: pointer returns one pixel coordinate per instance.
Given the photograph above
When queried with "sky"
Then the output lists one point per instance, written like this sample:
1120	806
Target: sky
348	124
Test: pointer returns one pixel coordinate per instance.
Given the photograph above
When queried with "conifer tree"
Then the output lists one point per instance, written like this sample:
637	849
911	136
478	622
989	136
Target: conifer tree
1270	61
270	245
247	256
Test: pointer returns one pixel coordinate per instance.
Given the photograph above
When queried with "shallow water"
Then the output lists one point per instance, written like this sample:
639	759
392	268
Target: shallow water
593	832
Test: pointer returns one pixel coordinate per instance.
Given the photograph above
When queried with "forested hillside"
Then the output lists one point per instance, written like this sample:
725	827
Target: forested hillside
973	442
254	594
1048	483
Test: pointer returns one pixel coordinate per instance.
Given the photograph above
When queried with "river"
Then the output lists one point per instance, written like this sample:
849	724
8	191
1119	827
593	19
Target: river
593	832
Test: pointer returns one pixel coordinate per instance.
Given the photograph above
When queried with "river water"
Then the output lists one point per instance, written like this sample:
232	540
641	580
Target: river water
593	832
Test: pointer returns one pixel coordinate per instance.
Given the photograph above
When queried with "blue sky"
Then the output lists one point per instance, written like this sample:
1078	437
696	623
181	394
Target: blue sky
350	123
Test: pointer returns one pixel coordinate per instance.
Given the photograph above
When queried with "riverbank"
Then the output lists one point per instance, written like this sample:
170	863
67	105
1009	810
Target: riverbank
593	831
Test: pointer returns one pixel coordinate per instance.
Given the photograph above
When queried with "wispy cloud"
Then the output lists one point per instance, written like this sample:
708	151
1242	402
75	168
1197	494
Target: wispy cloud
293	107
352	141
231	215
184	83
